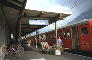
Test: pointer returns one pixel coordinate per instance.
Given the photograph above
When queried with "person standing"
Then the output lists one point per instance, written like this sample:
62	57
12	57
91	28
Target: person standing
58	51
59	42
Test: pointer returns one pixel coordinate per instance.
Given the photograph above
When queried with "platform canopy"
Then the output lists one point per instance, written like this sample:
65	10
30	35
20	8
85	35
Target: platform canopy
38	15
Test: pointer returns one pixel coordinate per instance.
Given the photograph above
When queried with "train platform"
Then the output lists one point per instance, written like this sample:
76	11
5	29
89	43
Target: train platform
33	53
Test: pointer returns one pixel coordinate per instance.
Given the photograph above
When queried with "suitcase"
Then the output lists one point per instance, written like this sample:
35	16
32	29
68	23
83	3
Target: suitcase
57	52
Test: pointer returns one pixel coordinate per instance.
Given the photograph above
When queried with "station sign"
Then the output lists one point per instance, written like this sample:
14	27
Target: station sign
38	22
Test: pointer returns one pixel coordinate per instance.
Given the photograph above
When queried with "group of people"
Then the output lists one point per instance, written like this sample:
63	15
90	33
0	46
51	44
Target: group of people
58	46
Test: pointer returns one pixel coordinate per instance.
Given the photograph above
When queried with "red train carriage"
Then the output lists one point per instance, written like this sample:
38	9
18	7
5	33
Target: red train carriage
78	35
69	36
85	35
51	37
75	36
48	37
60	33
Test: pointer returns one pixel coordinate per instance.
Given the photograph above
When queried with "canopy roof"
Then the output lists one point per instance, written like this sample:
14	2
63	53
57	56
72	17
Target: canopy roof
39	15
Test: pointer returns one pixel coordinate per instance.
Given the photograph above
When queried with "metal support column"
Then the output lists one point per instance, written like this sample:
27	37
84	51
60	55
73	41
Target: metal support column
36	39
19	31
56	31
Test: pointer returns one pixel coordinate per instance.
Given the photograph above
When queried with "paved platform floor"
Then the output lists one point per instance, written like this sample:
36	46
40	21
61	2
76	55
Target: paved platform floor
34	54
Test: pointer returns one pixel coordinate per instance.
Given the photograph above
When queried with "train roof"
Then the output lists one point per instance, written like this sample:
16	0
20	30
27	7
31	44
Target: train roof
81	22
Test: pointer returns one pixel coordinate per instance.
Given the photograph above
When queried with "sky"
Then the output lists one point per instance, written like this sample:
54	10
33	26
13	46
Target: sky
46	5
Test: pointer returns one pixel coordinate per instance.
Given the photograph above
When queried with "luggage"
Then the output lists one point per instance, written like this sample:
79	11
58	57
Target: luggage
57	52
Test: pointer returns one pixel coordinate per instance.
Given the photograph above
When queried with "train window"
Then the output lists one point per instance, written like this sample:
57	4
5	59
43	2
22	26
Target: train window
66	34
84	30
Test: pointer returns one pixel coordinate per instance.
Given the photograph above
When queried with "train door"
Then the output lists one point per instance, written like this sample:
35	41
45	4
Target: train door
84	39
67	40
75	42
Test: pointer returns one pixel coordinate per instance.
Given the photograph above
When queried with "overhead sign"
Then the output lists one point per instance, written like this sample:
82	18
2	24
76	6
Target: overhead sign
38	22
